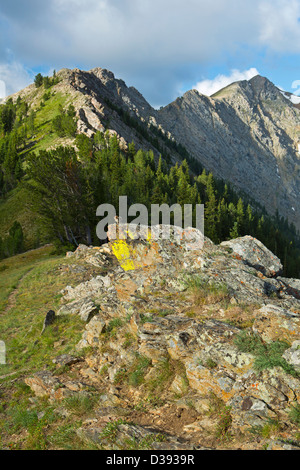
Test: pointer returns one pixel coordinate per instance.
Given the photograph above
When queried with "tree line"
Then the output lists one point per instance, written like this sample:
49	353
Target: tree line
69	185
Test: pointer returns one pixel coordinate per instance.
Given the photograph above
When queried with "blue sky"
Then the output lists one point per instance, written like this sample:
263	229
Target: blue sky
161	47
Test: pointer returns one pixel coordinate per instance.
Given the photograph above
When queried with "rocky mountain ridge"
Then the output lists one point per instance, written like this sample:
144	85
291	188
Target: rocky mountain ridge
247	134
188	349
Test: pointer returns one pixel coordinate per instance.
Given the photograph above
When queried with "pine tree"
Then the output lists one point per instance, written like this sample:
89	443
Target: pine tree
211	210
240	217
38	80
60	192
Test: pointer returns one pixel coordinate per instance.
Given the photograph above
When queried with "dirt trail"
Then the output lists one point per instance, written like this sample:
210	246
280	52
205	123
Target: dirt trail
11	301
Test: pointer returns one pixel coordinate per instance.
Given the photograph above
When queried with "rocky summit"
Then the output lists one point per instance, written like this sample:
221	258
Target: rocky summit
188	349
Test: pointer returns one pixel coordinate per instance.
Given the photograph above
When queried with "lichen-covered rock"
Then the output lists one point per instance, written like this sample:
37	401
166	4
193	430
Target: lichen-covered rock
255	254
85	308
292	355
171	328
126	435
92	332
275	323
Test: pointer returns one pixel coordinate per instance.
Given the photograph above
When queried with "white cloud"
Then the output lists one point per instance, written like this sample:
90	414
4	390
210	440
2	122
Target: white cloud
161	32
279	25
13	77
2	89
147	41
209	87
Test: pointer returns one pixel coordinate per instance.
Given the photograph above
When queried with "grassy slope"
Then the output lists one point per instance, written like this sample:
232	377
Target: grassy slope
14	207
29	287
30	284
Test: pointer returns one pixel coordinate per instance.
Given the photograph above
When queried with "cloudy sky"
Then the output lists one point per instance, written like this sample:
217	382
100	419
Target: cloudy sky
162	47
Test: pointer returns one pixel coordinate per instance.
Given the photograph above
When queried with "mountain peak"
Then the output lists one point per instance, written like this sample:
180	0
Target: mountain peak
256	88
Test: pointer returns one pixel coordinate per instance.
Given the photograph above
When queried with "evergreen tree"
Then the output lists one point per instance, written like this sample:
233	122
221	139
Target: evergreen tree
211	211
60	193
38	80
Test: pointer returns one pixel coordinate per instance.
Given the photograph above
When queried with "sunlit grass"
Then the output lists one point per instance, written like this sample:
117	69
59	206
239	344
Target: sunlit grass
37	282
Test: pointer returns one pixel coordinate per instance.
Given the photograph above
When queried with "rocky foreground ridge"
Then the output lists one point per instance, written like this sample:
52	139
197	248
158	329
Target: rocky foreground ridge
189	349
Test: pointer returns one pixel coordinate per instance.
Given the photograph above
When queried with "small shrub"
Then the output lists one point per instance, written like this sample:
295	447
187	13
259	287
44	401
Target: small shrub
65	437
113	326
205	291
129	340
120	376
267	355
295	414
218	409
210	364
144	444
23	418
139	368
80	404
225	420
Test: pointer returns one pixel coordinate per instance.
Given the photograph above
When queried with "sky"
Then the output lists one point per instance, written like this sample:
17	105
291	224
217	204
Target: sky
161	47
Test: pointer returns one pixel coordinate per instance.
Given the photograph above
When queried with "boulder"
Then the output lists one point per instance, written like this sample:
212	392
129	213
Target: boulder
274	323
84	308
49	320
92	332
255	254
292	355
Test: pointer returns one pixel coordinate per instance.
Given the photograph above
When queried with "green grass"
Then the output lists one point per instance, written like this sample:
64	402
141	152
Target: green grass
45	136
165	373
15	208
222	412
138	370
80	404
20	417
14	268
267	355
204	291
38	282
27	422
271	427
113	326
64	437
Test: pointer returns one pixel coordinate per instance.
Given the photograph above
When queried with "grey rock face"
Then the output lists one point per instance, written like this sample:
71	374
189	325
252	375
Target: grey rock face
247	134
255	254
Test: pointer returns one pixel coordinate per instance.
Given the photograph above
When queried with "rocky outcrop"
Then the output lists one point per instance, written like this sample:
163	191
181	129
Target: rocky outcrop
198	347
256	255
